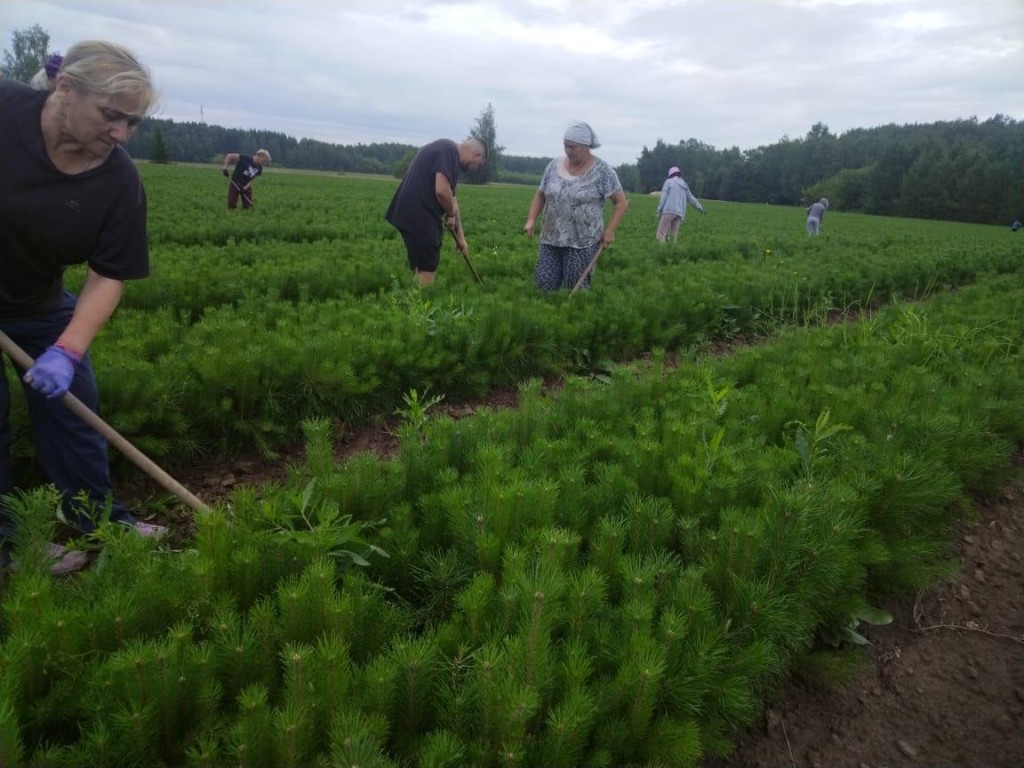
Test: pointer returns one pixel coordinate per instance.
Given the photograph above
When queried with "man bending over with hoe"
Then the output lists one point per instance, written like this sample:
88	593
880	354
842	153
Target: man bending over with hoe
248	168
426	195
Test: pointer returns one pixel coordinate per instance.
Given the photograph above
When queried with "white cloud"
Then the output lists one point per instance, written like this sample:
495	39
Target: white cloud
725	72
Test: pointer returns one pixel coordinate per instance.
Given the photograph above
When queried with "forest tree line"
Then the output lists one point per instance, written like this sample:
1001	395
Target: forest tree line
962	170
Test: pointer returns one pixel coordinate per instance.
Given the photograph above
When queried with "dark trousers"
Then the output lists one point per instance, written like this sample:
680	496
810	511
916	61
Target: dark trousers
73	454
234	192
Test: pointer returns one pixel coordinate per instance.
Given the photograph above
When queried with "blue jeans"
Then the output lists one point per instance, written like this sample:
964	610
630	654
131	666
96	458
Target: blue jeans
73	454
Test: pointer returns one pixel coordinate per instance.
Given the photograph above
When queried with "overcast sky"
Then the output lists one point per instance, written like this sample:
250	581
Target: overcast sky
725	72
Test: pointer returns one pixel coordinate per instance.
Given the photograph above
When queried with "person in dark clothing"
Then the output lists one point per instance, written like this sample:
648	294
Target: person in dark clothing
426	195
248	168
69	194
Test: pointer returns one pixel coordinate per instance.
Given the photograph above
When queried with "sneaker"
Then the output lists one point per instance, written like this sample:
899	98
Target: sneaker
150	530
64	560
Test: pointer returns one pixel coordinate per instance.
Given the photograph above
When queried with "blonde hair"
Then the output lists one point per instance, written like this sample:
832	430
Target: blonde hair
109	70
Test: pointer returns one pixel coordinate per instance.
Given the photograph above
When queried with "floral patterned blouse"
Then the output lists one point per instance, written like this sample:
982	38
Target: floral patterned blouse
574	205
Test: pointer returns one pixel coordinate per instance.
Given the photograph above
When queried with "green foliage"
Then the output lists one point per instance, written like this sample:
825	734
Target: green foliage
158	151
615	572
485	130
29	50
962	169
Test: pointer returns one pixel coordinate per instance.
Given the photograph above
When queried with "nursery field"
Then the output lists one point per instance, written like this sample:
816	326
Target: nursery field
628	566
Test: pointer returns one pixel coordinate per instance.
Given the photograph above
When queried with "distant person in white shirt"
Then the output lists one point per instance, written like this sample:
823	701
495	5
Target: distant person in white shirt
816	215
675	194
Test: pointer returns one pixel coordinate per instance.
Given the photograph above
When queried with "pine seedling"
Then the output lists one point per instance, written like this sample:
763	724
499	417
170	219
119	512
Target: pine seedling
209	700
651	522
438	580
298	676
27	601
572	510
33	521
442	749
365	618
532	655
175	692
98	746
703	655
674	743
294	737
205	753
637	616
416	676
135	729
476	607
376	687
488	550
12	751
485	690
738	542
576	668
586	598
301	614
690	536
318	451
638	576
357	741
558	549
605	553
48	755
238	651
567	731
332	667
456	711
252	743
511	754
249	574
638	685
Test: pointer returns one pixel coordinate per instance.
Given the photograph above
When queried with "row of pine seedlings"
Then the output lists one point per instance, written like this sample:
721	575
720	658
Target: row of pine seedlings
616	573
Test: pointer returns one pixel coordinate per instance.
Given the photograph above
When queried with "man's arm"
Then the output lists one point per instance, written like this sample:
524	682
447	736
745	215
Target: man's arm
452	217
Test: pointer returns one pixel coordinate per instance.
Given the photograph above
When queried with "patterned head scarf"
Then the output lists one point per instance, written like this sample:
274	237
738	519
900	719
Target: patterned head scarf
582	133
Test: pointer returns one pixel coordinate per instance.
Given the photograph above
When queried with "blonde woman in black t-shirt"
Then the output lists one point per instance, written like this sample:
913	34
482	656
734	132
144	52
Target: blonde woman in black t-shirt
69	194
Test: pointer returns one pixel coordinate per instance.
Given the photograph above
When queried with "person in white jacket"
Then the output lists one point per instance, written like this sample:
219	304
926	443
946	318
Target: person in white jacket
816	215
675	194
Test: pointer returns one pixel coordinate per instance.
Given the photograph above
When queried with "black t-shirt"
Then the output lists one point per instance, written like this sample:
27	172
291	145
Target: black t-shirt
246	171
414	206
49	219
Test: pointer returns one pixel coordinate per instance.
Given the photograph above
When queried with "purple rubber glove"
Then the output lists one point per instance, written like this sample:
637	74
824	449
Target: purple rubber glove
53	372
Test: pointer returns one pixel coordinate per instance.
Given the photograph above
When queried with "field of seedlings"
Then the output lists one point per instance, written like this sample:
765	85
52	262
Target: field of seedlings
618	572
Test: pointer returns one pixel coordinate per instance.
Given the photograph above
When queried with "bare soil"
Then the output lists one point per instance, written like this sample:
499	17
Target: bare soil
943	685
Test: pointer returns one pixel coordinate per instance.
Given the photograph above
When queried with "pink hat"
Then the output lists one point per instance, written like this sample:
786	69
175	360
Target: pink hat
673	171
